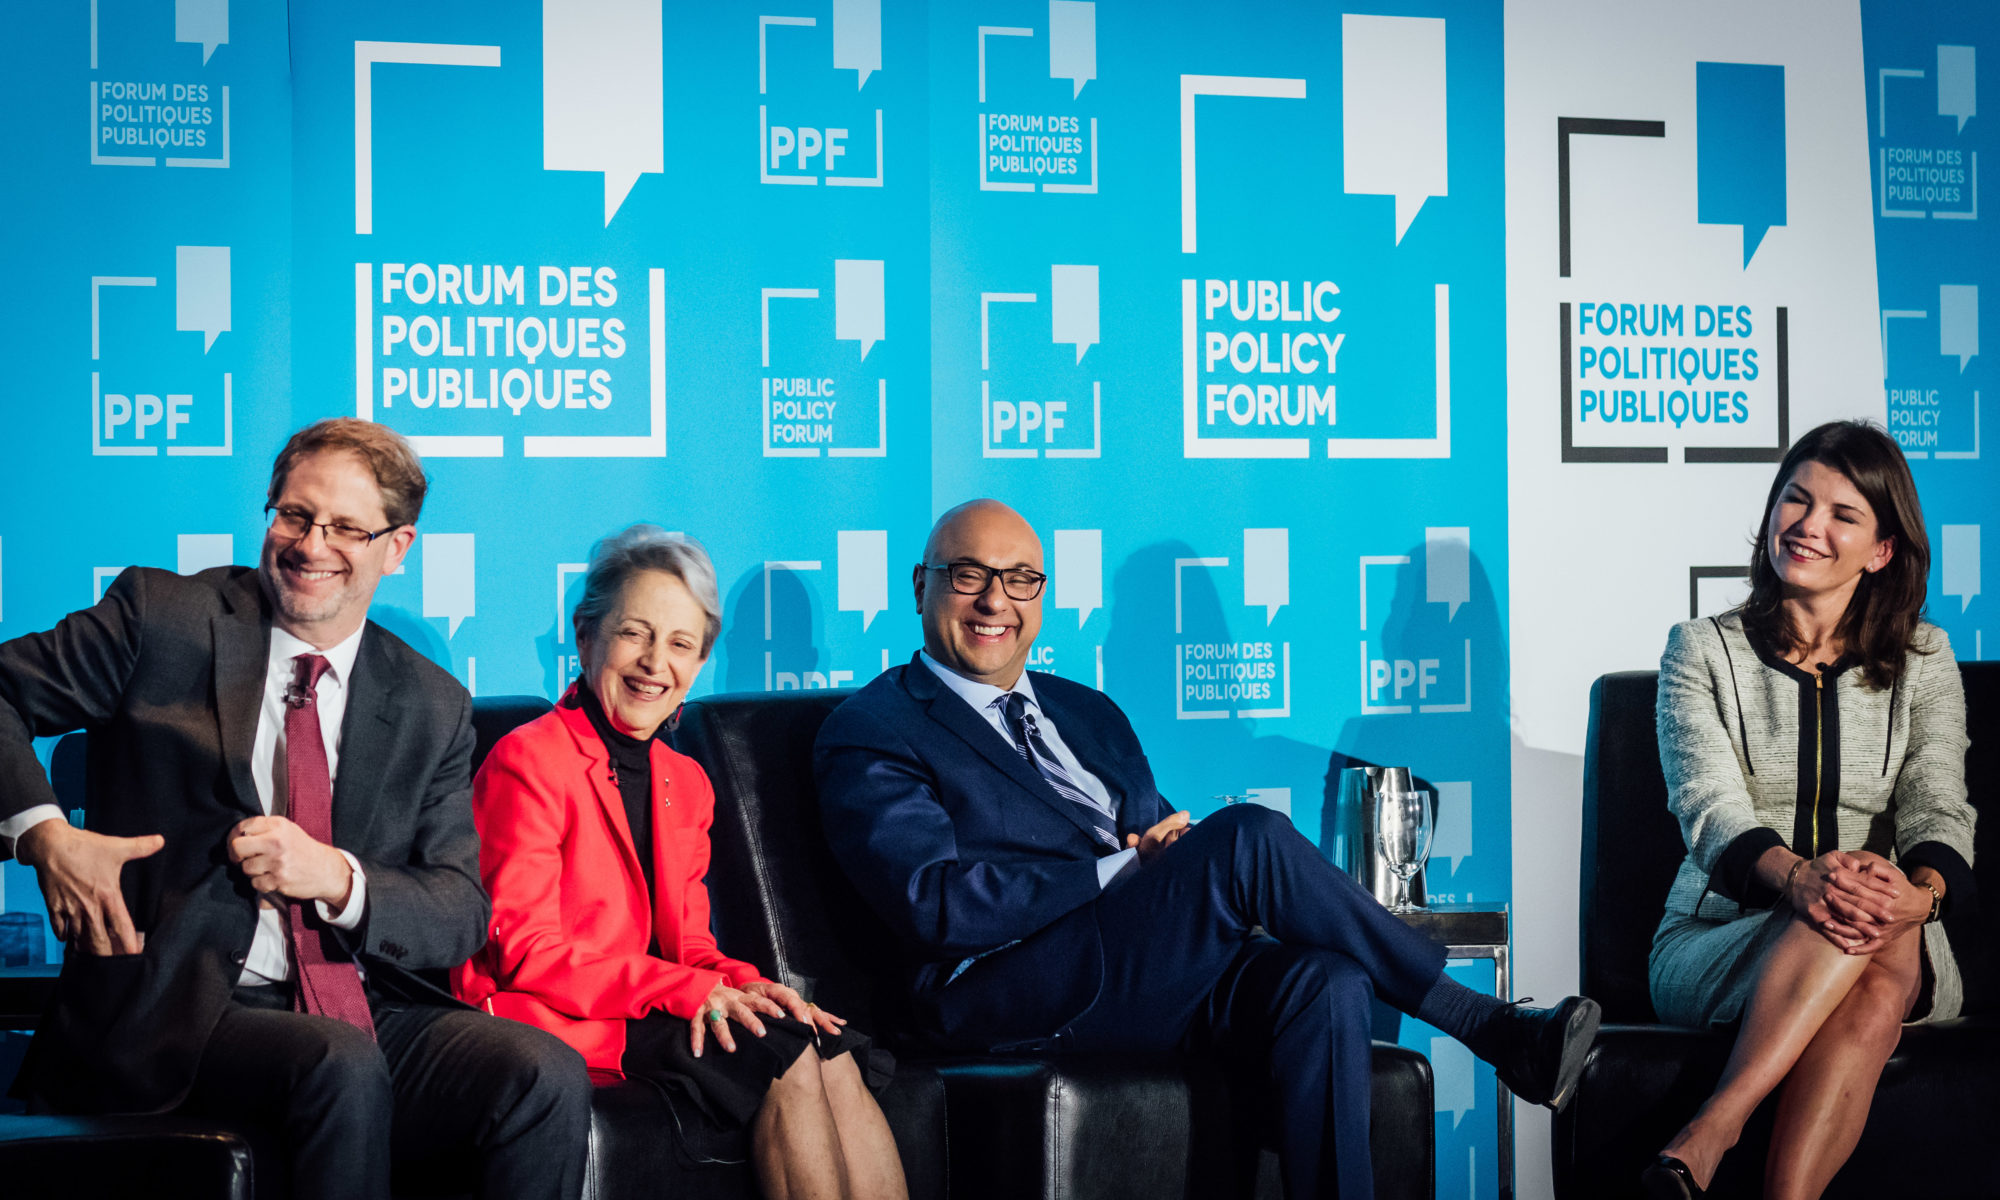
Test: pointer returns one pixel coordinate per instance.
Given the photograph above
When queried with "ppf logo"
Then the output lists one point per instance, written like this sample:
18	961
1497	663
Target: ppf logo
1925	168
1031	135
1692	364
154	103
1930	407
1403	681
1220	677
1261	347
810	128
1026	420
149	387
862	569
816	394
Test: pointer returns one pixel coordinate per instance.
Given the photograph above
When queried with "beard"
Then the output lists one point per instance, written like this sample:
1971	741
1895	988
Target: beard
299	608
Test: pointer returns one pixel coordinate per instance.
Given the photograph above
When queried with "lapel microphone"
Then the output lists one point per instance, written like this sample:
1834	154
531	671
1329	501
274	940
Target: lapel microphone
297	695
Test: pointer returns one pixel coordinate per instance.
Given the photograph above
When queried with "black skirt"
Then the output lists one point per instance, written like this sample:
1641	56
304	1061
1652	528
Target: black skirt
714	1098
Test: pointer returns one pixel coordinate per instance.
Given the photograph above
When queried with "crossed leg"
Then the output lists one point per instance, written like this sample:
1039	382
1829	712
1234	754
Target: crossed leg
1823	1023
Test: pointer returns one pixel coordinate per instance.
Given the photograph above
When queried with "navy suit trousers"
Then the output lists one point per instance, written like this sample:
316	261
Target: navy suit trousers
1181	971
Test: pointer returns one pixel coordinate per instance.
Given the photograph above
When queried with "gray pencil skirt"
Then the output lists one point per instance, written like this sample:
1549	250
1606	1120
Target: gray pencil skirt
1702	973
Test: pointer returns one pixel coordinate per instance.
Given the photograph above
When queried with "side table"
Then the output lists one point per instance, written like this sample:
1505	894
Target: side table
1478	931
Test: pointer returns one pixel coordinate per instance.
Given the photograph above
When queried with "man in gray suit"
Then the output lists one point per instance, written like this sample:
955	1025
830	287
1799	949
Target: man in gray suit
280	838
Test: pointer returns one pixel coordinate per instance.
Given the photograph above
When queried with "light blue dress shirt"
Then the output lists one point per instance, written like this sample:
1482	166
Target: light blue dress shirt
985	700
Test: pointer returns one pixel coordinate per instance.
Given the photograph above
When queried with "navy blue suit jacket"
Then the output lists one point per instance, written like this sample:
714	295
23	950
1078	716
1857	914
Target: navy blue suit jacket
963	848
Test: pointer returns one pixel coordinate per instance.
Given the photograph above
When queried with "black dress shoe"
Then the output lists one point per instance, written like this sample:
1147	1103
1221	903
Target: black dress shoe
1668	1178
1545	1049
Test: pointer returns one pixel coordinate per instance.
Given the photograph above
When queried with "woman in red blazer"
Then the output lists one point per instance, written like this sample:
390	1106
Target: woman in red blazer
594	845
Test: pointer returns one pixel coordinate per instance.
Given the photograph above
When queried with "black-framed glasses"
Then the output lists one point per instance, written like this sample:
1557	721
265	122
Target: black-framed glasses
972	579
298	525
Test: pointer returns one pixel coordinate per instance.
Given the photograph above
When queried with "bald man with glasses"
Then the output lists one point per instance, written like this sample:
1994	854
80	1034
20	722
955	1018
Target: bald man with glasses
1006	825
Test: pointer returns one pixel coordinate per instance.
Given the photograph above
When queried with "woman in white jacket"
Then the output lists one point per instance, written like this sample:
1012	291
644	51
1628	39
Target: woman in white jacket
1813	742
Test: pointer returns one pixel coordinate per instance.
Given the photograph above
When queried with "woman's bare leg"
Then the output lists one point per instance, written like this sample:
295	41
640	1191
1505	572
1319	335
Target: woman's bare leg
1804	979
794	1141
874	1172
1826	1096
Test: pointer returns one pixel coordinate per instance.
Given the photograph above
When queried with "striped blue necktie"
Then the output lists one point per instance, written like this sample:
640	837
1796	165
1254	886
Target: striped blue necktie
1029	741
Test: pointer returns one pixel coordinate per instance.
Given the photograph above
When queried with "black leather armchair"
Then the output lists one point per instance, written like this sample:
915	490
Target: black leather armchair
1940	1091
1018	1126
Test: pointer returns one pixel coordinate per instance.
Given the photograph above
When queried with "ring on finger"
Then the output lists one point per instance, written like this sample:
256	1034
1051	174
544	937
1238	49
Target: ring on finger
717	1015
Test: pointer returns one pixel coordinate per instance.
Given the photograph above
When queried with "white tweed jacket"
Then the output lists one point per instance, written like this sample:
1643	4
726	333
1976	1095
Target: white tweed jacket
1748	741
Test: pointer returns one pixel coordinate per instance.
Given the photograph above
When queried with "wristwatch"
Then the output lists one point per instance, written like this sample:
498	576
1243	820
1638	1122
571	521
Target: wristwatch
1937	902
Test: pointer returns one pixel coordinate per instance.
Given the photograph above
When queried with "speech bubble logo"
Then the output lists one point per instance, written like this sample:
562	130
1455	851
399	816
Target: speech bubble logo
1275	799
858	309
204	21
1451	1070
864	573
1739	117
201	291
1079	573
1958	321
200	551
1448	566
1961	563
1451	835
1392	111
1073	42
857	37
1073	307
448	578
602	106
1958	79
1267	570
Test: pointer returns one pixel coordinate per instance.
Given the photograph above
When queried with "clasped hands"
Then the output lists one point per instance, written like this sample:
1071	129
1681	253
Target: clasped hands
742	1005
1860	901
78	872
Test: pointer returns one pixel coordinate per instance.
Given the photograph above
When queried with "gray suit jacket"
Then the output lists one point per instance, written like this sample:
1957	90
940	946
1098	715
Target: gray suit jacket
1756	754
166	673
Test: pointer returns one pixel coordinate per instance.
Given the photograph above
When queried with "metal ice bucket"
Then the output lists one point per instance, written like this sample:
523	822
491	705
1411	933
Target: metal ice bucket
1358	836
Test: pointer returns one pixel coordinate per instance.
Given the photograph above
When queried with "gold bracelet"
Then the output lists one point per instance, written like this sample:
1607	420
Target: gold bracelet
1793	874
1937	902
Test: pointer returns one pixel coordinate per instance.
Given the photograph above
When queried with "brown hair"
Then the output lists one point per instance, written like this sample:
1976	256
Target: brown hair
1879	626
398	472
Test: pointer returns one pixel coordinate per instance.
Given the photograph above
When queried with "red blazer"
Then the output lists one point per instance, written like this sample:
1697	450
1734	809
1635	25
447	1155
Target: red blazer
568	951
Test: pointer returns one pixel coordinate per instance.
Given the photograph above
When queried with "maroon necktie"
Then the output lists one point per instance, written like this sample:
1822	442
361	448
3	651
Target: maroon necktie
326	987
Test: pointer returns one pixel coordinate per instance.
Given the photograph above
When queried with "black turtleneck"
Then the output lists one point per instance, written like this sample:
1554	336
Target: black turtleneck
631	762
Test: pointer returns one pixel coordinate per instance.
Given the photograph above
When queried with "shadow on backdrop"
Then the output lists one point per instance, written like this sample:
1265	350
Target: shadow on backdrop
417	631
1194	761
770	635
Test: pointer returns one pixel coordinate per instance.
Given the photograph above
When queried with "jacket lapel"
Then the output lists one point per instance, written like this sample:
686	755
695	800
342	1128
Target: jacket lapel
603	784
242	650
367	735
948	709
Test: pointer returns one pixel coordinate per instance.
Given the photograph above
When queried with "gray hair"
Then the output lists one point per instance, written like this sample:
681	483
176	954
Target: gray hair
616	559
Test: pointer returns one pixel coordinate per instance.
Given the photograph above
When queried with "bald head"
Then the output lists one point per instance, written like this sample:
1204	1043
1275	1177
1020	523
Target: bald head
984	637
976	515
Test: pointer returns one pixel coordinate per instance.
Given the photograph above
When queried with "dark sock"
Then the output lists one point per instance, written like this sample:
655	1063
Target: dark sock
1461	1012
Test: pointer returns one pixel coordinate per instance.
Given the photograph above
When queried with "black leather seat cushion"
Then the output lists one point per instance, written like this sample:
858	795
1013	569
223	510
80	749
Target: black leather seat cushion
1070	1127
165	1157
1643	1080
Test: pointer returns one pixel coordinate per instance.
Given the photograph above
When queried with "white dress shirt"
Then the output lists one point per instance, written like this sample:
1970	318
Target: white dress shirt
268	961
984	699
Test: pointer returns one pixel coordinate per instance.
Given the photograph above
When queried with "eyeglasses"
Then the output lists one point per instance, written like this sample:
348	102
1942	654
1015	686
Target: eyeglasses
297	525
972	579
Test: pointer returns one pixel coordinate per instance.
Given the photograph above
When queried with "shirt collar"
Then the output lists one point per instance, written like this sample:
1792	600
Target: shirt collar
979	695
339	656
